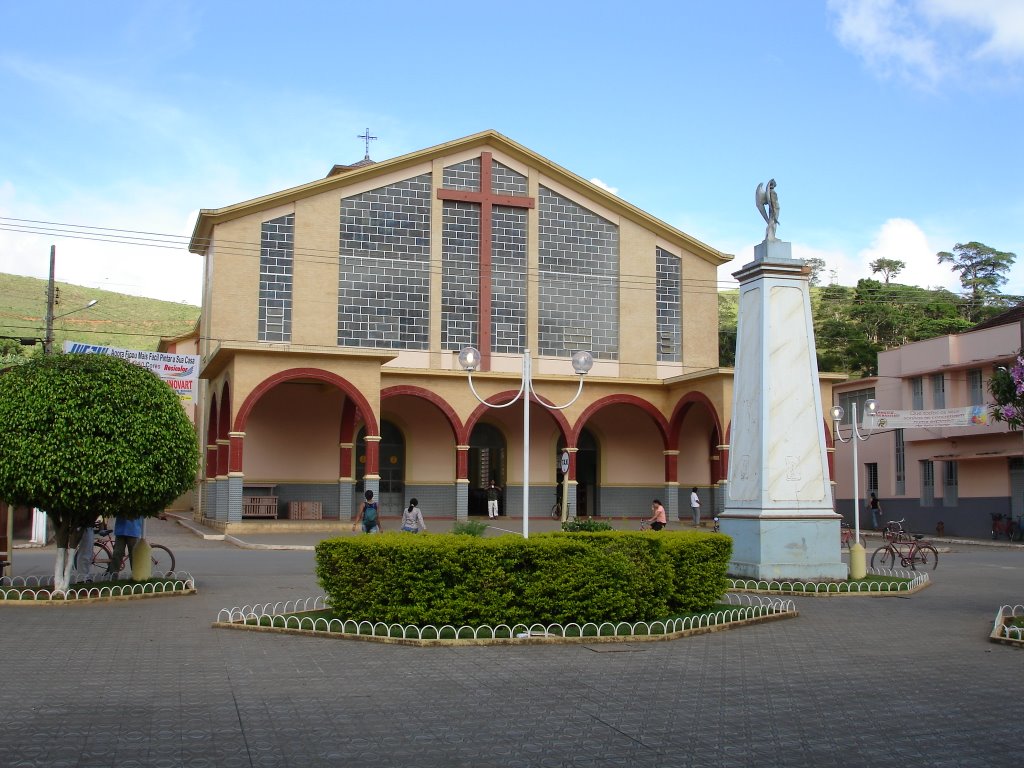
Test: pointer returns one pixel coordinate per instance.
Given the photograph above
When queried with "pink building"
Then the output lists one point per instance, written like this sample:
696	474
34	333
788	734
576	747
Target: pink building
959	476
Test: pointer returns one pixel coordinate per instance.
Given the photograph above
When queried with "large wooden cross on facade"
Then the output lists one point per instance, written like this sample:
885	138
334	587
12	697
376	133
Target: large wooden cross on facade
486	200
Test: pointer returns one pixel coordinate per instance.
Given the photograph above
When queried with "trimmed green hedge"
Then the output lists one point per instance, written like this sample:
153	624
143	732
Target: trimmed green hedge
557	577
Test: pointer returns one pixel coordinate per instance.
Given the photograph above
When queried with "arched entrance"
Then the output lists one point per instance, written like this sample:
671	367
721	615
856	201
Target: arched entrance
392	468
487	454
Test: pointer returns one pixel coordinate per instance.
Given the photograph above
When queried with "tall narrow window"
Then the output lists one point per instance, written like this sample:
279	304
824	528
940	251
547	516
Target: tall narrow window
939	391
276	257
927	484
950	484
900	464
975	387
668	279
871	475
917	393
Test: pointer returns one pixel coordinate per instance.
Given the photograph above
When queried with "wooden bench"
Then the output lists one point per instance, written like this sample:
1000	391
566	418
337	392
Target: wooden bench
259	506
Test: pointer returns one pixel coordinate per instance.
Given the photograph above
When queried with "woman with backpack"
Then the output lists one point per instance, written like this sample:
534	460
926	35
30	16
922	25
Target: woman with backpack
368	515
412	518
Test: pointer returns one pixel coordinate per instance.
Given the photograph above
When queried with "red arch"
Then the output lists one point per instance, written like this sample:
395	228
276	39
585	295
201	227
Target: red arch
212	422
686	402
223	428
621	399
503	397
432	397
307	373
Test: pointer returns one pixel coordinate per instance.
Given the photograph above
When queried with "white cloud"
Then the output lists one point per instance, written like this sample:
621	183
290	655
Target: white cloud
606	187
928	41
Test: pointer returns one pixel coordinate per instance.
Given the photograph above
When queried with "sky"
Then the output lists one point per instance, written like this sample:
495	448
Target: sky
892	127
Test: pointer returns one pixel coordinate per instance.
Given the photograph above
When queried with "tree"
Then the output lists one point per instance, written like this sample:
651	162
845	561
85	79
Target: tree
817	267
888	267
91	435
982	271
1007	389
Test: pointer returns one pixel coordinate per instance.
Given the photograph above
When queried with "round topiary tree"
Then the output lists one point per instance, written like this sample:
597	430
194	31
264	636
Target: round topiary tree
91	435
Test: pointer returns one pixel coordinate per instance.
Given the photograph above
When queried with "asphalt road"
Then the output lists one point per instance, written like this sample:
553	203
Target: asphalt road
850	682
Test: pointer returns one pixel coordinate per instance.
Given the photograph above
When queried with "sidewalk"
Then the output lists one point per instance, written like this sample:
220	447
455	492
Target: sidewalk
307	540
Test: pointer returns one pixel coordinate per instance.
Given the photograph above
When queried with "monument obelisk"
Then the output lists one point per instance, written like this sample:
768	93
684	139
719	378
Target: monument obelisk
778	505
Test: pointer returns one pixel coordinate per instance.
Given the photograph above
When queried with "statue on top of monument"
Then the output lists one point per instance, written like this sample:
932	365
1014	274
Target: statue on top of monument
767	201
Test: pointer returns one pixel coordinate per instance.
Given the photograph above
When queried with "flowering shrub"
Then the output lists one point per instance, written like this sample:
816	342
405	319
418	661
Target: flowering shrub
1007	389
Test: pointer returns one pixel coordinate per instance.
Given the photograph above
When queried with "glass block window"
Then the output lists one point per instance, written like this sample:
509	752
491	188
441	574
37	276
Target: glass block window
939	391
460	275
669	282
927	484
277	255
508	278
384	267
917	394
858	397
900	463
950	484
975	387
579	279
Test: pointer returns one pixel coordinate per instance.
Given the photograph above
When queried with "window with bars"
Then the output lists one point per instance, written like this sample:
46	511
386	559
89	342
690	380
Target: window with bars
917	394
858	397
976	386
927	484
900	464
871	475
939	391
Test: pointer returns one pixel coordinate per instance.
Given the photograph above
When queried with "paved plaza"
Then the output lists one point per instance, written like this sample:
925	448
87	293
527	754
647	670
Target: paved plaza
851	682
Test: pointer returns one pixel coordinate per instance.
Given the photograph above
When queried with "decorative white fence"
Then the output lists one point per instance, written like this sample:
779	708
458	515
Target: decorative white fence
288	616
40	588
916	581
1003	629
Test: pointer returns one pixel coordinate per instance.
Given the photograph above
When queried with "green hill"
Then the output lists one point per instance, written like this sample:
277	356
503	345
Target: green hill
117	320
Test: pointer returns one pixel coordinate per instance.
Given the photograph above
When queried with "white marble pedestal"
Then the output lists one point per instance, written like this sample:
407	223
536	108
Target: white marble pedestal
778	506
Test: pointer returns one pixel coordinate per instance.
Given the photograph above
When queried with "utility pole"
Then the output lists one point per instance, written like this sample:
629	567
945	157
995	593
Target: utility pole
48	340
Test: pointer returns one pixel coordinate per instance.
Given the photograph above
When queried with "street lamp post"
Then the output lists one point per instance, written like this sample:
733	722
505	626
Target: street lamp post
48	341
858	564
582	362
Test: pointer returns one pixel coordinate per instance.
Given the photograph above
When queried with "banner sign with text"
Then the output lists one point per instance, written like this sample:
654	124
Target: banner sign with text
971	416
181	372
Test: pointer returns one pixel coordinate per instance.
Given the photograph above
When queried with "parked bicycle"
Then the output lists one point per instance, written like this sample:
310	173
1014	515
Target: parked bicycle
103	552
846	535
911	549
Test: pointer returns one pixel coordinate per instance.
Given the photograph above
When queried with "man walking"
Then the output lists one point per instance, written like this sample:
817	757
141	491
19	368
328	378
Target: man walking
493	494
695	507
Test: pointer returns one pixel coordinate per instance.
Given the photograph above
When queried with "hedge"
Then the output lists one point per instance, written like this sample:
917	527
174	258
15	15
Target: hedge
557	577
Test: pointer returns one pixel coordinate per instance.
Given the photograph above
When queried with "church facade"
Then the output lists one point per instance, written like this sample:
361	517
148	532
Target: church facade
334	314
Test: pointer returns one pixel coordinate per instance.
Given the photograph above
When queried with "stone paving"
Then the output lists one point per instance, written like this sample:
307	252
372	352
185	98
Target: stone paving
849	682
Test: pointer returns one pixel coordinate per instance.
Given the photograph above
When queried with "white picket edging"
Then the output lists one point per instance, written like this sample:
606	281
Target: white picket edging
282	617
27	589
917	581
1001	631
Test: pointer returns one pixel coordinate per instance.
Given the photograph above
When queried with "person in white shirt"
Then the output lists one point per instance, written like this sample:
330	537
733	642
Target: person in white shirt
695	506
412	518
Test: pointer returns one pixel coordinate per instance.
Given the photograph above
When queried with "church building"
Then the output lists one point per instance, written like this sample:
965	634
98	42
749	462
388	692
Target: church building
334	314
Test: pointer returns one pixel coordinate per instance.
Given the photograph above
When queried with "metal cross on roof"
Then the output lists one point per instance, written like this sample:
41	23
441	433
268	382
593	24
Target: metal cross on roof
366	137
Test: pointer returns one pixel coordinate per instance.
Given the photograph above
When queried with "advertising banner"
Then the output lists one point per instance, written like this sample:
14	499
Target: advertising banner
970	416
181	372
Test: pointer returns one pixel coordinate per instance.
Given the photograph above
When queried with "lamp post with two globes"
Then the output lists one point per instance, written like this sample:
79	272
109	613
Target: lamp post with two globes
858	564
582	362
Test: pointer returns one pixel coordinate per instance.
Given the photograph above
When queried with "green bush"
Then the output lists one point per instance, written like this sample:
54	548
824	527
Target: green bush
442	579
469	528
592	526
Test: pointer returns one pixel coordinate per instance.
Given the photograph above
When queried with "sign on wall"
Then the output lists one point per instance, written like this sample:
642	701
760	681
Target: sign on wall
970	416
181	372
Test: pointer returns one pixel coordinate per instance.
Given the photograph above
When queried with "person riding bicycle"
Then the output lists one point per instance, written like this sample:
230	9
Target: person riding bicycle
658	518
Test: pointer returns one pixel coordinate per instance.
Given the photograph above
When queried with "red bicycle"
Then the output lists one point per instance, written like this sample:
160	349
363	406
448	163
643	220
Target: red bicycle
911	549
846	535
103	553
